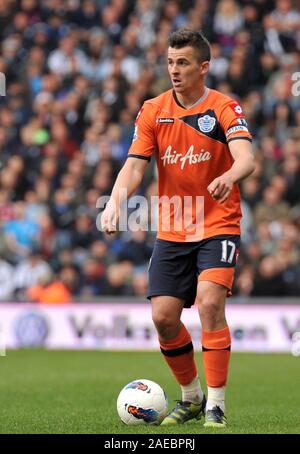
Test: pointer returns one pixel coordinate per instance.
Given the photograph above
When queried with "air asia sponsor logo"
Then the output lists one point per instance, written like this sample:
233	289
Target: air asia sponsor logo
165	120
234	129
172	157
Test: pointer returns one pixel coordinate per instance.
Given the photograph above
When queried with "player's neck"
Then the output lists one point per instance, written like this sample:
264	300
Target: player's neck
192	98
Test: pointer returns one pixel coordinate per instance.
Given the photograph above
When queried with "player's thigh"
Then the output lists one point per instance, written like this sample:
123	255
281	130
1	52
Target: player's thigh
173	272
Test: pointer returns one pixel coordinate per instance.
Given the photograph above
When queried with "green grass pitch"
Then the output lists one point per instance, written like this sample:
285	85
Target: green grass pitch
75	392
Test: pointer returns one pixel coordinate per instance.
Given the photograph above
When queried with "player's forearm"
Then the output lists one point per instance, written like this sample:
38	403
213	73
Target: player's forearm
241	168
127	182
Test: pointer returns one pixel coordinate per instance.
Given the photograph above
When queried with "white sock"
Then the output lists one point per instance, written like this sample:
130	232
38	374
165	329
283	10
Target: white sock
192	392
216	396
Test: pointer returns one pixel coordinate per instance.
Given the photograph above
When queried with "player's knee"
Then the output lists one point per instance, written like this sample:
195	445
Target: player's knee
210	307
164	324
161	321
211	315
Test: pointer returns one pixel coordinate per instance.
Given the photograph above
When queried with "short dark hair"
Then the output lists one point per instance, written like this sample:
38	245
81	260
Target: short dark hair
185	37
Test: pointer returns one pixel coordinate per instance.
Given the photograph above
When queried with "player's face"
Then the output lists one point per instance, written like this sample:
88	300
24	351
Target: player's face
184	68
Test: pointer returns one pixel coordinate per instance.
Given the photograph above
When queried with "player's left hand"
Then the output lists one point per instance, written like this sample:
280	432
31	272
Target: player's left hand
221	187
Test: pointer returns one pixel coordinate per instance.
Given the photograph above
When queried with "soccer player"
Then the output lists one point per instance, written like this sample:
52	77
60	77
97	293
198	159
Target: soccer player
203	149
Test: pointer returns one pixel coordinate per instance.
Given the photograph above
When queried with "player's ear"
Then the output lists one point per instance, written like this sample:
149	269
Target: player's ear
204	68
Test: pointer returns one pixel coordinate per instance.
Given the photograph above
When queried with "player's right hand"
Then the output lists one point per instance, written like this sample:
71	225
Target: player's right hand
109	219
221	187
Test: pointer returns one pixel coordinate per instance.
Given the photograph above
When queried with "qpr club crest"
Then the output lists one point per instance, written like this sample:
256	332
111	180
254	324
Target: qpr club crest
206	123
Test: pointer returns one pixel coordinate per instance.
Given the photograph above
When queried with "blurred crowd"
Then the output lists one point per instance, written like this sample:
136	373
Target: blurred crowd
77	73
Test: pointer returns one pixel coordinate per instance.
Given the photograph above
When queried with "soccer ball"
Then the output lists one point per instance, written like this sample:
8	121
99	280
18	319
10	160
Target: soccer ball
142	402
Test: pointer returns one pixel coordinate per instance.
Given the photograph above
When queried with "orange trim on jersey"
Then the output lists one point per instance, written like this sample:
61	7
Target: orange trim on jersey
222	276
